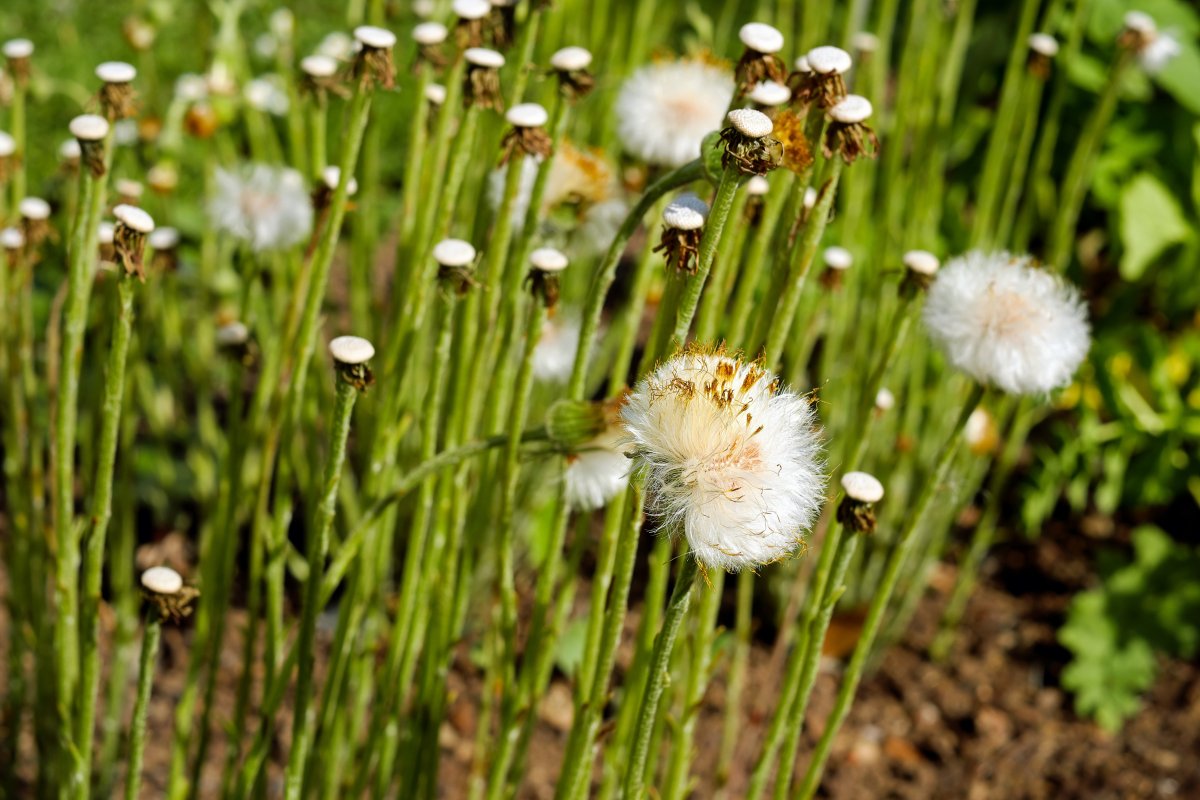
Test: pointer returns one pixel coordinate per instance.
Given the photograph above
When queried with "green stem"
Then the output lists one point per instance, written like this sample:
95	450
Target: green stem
137	731
713	228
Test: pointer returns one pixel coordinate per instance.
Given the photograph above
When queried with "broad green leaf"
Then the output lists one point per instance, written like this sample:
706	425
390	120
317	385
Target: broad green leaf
1151	222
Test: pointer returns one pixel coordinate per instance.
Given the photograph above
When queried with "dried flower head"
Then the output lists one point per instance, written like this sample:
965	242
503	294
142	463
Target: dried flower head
1154	48
759	61
528	133
351	355
116	89
90	131
857	509
472	21
1042	49
769	94
683	223
266	207
819	80
789	132
1006	323
546	264
847	133
456	261
920	268
571	65
18	52
164	588
730	459
665	110
429	37
598	471
481	84
373	63
129	238
981	434
748	144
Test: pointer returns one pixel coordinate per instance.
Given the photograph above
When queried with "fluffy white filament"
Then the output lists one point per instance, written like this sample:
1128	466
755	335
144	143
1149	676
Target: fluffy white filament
597	472
1006	323
731	460
267	207
665	110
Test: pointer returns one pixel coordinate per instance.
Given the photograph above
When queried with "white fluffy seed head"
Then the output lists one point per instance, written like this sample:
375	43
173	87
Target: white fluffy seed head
838	258
268	207
1043	44
757	186
232	334
351	350
34	208
750	123
8	145
453	253
597	472
851	109
829	60
164	238
864	42
319	66
471	9
116	72
885	400
731	461
761	38
685	213
374	37
89	127
435	93
332	175
571	59
862	486
527	115
921	262
548	259
769	93
162	580
69	150
134	218
484	57
429	33
664	110
18	48
12	238
1006	323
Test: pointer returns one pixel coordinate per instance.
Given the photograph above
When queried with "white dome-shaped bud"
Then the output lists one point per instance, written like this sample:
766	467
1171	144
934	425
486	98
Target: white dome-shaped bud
164	238
69	150
134	218
374	37
232	334
851	109
8	145
471	9
105	232
864	42
810	197
838	258
769	93
751	123
435	93
757	186
1043	44
885	400
116	72
12	239
829	60
18	48
484	57
685	213
527	115
803	66
89	127
332	175
351	350
428	34
319	66
571	59
548	259
34	208
863	487
453	253
922	262
1140	22
761	38
162	580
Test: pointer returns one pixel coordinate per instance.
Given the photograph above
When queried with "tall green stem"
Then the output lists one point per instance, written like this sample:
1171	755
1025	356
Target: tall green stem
137	730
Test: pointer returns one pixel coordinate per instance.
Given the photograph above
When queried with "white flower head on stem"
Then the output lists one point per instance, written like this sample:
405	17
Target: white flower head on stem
266	207
1006	323
731	460
597	472
665	110
1154	48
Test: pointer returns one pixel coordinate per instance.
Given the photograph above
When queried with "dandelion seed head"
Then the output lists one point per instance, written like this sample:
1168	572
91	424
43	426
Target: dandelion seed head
18	48
885	400
331	176
267	207
731	460
548	259
597	472
571	59
922	262
351	350
435	93
665	110
1043	44
484	57
527	115
685	213
471	9
761	38
980	432
862	486
851	109
428	34
838	258
554	355
162	580
803	66
1155	56
750	123
319	66
89	127
1006	323
829	60
375	37
134	218
116	72
453	253
34	208
12	238
769	93
69	150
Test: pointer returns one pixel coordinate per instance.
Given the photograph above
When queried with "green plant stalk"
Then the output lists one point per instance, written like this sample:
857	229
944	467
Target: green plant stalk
660	663
418	139
110	414
780	323
1079	169
137	730
627	321
318	550
817	617
16	124
586	725
752	272
882	596
722	274
713	228
704	633
318	126
736	681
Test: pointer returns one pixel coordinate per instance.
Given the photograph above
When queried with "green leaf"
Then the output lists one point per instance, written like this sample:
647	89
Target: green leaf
1181	77
1151	222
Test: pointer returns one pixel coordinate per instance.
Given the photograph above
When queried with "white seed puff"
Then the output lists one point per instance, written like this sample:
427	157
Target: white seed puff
665	110
332	176
116	72
1006	323
571	59
1043	44
829	60
548	259
685	213
8	145
851	109
750	123
885	400
597	472
134	218
162	580
757	186
731	460
862	486
12	239
838	258
375	37
69	150
484	57
265	206
453	253
527	115
34	208
429	33
435	93
761	38
471	9
922	262
351	350
89	127
319	66
18	48
769	93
